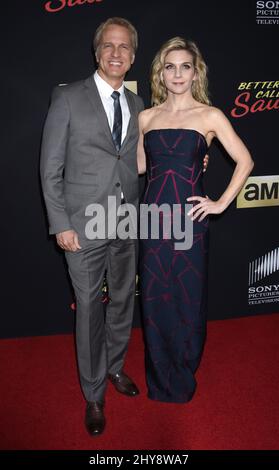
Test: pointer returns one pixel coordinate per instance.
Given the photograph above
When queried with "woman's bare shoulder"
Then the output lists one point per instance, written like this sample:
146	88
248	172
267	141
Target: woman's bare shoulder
146	116
212	112
146	113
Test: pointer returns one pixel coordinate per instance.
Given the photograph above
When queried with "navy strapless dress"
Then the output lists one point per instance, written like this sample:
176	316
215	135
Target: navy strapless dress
174	282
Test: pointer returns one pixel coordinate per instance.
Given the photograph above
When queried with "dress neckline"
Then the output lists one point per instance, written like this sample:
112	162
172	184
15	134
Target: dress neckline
177	129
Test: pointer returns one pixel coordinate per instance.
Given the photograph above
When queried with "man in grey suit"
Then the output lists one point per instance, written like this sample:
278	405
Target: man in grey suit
89	153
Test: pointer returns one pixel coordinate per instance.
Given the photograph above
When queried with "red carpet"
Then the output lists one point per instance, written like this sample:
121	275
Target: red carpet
235	407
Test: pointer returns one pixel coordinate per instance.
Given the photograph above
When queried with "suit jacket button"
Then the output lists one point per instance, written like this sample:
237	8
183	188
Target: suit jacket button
118	157
117	184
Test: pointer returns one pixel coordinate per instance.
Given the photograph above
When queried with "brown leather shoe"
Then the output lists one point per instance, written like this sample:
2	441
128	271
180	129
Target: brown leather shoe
124	384
94	418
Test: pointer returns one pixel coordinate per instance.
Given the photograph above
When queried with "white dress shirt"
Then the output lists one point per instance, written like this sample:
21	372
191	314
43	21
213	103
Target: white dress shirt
105	91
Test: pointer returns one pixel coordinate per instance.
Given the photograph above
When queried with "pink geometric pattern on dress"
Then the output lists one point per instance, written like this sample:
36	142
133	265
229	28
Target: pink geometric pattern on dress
173	280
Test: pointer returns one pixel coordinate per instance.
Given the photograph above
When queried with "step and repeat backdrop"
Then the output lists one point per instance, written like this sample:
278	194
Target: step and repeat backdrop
48	42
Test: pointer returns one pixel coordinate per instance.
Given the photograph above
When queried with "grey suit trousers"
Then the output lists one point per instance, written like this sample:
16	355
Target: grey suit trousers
102	339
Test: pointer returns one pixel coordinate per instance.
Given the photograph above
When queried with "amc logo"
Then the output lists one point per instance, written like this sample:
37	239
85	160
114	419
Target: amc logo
132	85
259	191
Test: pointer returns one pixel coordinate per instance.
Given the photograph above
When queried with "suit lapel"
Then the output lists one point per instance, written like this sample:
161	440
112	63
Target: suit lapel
95	100
132	122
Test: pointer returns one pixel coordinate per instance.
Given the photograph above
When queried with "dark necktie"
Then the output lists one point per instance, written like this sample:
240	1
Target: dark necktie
117	123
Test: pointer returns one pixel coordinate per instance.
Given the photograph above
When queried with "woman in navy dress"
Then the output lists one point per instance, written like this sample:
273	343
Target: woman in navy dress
174	138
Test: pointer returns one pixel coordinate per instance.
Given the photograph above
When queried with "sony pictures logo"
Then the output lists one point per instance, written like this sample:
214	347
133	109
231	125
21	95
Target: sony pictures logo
264	294
267	12
259	269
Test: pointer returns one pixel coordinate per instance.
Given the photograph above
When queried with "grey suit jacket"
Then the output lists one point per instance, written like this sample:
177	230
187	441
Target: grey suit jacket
79	162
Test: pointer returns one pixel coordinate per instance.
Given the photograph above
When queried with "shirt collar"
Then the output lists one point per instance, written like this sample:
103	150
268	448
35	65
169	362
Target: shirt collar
104	88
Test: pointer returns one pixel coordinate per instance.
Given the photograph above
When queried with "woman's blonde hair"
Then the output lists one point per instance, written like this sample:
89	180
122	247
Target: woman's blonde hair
199	85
